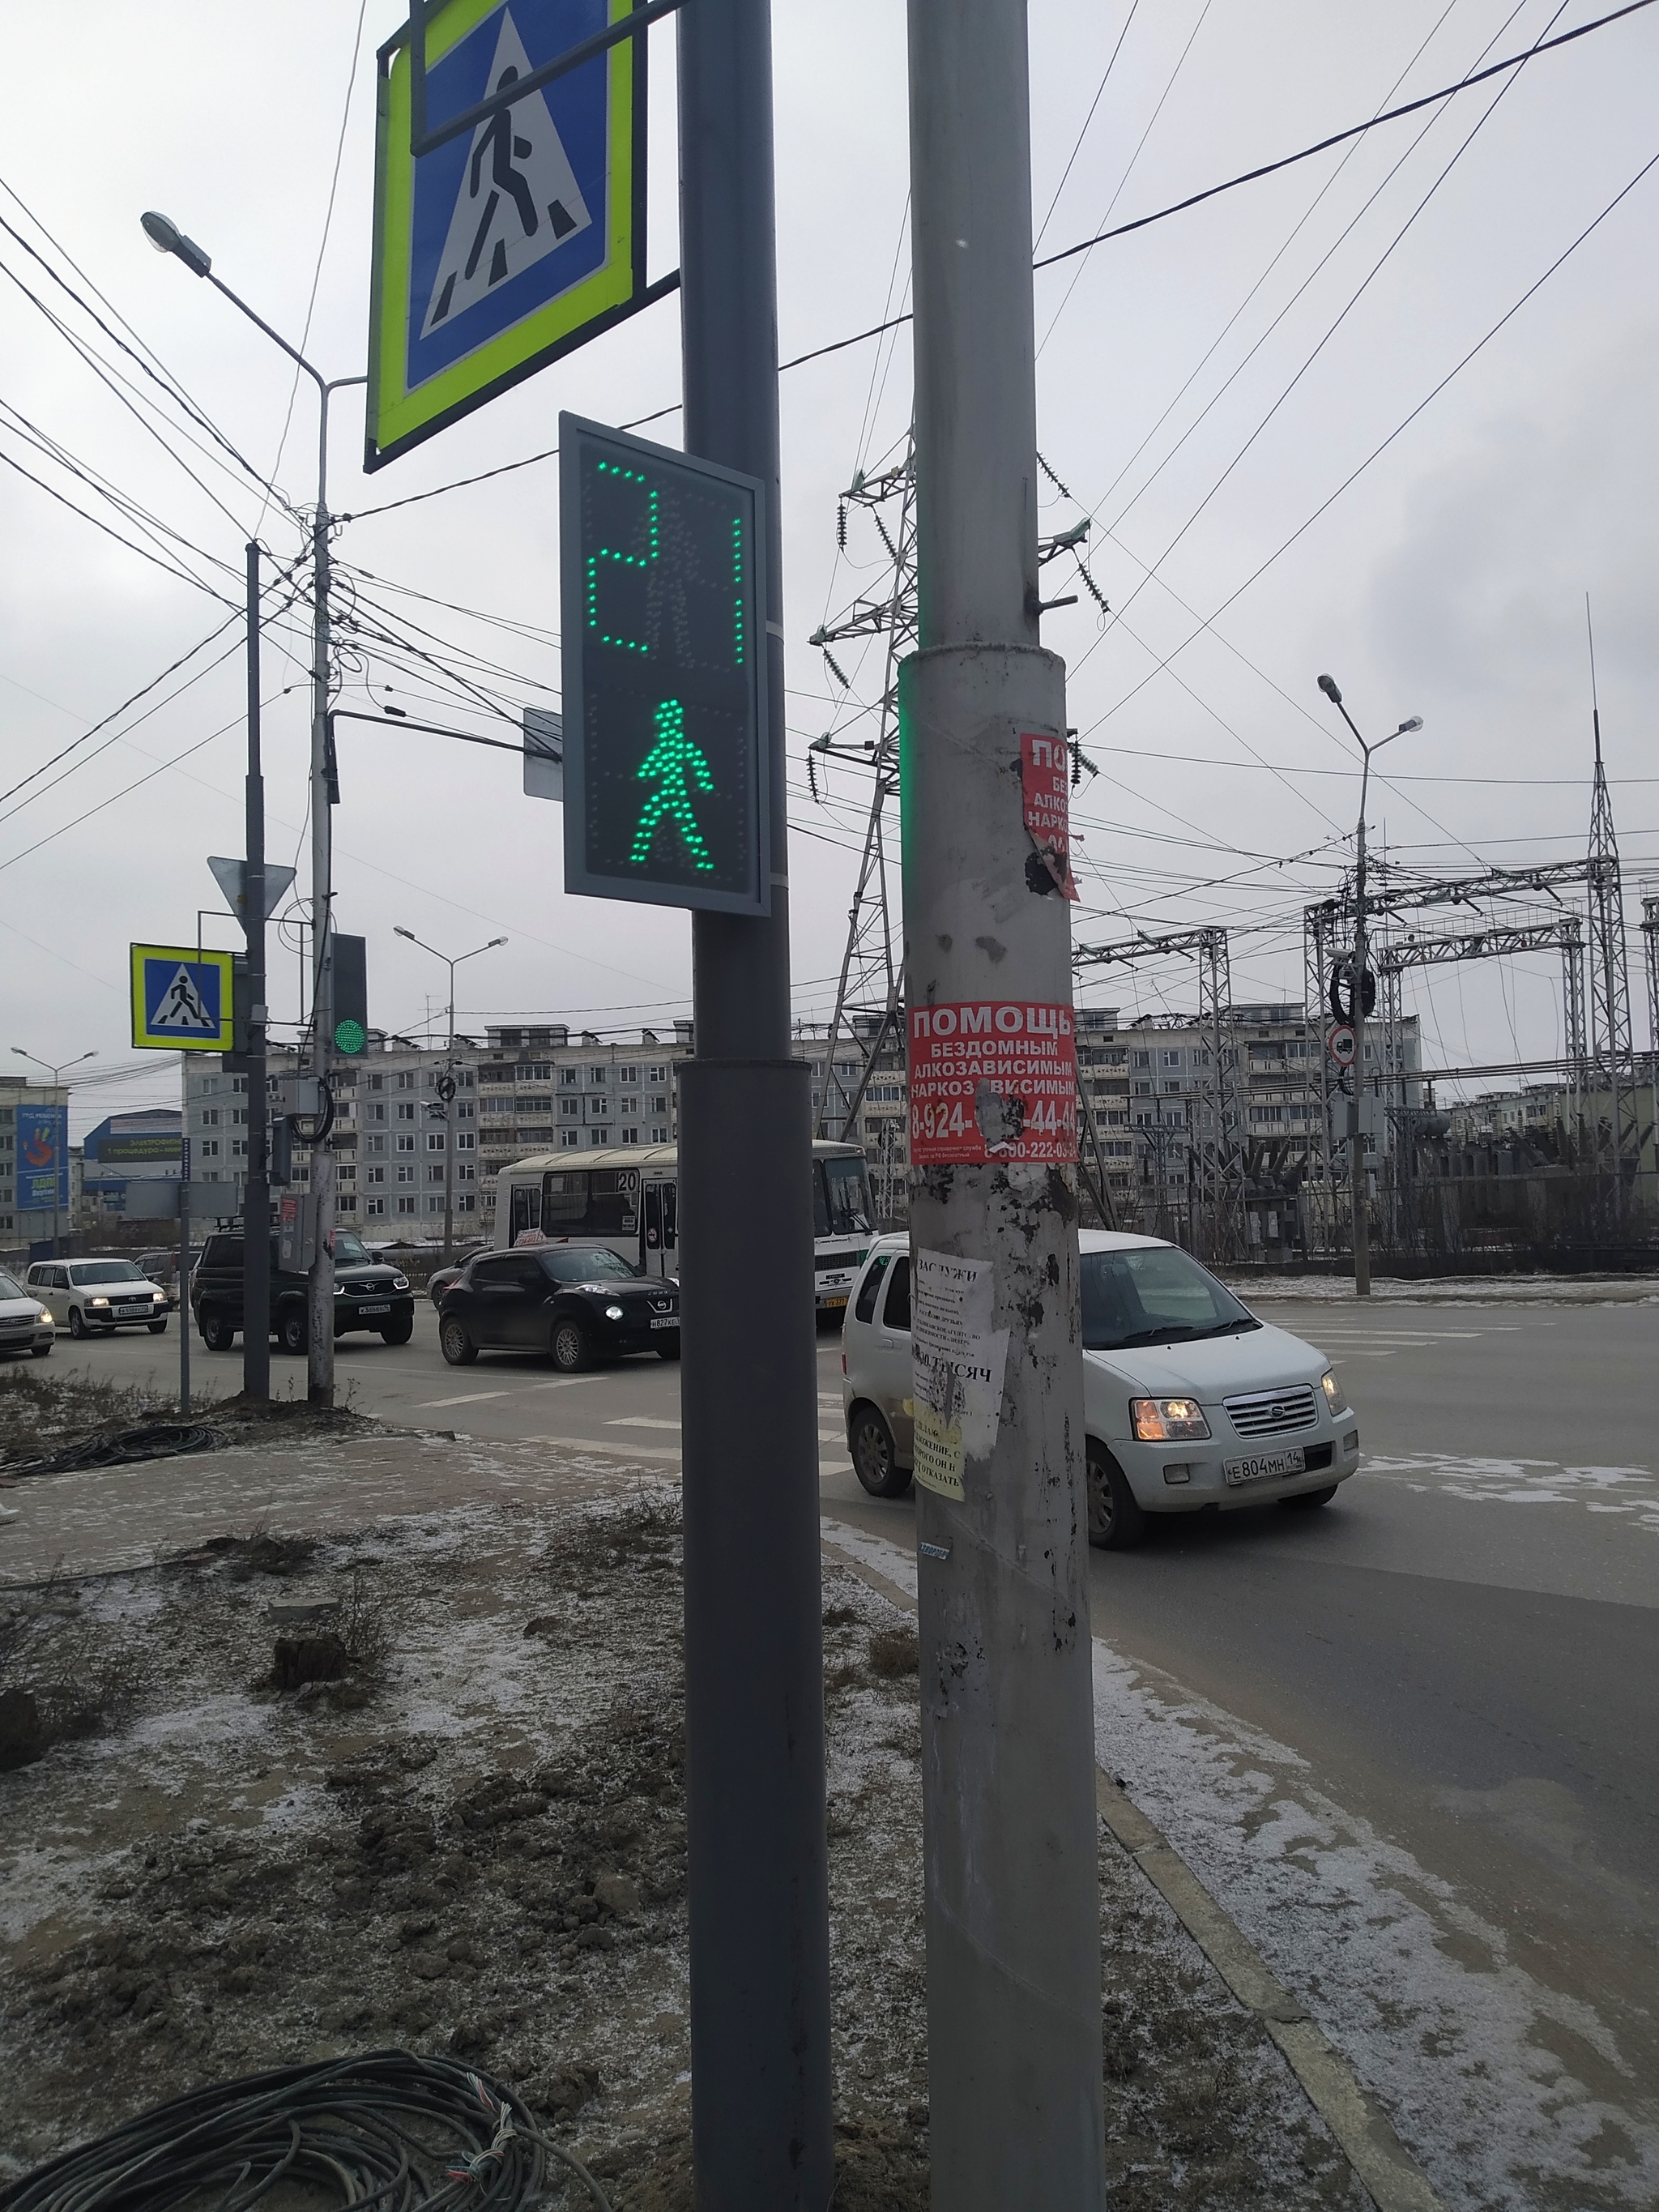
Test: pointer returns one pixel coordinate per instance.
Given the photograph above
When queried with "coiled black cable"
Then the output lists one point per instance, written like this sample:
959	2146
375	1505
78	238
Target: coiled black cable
389	2130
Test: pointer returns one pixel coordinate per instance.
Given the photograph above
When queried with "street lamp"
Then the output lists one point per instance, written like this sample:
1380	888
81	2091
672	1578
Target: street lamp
448	1093
1362	1228
57	1073
167	238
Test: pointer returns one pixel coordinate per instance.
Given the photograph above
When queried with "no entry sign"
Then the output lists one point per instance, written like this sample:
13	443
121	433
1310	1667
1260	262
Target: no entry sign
993	1080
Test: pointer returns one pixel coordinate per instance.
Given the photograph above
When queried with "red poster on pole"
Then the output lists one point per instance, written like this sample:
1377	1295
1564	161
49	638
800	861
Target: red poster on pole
995	1079
1044	770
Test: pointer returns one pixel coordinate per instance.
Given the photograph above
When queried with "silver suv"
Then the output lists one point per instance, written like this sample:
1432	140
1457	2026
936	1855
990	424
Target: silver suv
94	1298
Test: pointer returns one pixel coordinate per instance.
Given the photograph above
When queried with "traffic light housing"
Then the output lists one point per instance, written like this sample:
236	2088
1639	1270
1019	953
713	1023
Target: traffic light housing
350	994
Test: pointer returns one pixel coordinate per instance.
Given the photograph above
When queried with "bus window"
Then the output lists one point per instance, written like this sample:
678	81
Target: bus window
653	1216
527	1208
671	1209
592	1202
849	1211
564	1204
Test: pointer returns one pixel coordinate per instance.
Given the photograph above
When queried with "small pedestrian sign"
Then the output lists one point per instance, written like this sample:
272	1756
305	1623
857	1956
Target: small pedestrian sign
664	640
509	245
182	999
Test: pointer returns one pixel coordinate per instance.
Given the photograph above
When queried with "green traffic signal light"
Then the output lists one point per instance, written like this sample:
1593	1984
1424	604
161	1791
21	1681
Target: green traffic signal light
350	1037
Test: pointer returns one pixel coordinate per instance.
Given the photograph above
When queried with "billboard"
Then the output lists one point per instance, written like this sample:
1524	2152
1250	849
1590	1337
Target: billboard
42	1158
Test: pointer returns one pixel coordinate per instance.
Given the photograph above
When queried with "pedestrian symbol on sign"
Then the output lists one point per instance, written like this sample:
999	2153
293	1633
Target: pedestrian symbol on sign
519	199
670	762
183	1009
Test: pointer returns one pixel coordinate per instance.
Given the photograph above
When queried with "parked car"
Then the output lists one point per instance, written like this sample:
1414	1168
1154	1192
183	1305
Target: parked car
94	1298
581	1302
1189	1402
442	1277
26	1325
368	1294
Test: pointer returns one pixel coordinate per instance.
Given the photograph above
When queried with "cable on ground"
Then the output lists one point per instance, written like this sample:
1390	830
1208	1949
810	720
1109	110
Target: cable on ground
388	2130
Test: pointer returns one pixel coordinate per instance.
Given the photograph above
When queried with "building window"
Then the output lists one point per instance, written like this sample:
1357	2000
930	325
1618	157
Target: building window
435	1142
568	1077
405	1206
210	1148
465	1174
466	1143
376	1113
376	1175
598	1136
377	1144
660	1105
598	1110
377	1083
405	1175
1143	1059
659	1136
406	1079
406	1143
628	1075
598	1077
466	1203
570	1136
406	1113
569	1109
434	1175
657	1075
375	1205
1171	1059
631	1137
210	1117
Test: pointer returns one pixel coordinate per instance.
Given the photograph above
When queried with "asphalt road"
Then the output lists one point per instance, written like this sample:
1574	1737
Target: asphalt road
1464	1647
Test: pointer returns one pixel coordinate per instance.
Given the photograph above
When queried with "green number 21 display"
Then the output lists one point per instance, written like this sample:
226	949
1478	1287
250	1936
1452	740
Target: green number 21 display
664	647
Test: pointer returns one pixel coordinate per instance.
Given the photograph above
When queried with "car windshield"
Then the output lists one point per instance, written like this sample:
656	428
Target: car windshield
1154	1295
107	1271
840	1197
10	1287
351	1248
590	1265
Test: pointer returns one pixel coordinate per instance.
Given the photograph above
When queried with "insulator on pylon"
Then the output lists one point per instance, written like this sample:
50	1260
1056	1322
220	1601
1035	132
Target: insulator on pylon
811	777
841	526
840	674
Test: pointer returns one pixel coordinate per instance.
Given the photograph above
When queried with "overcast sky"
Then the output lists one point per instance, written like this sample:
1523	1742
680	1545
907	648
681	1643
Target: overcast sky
1205	387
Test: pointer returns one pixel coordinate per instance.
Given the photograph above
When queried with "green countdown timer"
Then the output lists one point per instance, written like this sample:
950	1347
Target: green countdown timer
664	651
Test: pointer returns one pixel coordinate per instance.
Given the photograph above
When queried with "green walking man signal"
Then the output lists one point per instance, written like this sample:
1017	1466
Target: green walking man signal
665	674
670	763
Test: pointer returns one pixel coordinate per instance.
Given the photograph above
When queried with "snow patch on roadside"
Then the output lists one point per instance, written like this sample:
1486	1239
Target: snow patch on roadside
1622	1490
1454	1290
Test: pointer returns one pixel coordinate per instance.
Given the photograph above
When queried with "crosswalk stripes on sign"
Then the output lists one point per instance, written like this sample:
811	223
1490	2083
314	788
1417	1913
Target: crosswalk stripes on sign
519	199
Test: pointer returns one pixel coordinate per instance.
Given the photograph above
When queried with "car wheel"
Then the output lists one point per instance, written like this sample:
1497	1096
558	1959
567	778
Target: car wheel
217	1333
398	1331
78	1328
1115	1521
875	1461
670	1347
156	1327
571	1350
456	1345
42	1350
1311	1497
292	1332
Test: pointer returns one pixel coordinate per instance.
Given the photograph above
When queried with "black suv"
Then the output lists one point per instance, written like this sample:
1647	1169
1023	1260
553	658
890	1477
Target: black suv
368	1294
580	1303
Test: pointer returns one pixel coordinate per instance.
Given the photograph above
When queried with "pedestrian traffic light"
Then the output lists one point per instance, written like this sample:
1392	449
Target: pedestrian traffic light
664	644
351	994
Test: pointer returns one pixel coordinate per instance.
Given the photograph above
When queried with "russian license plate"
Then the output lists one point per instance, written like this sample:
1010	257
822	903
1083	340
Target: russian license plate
1263	1467
839	1300
385	1308
665	1320
132	1313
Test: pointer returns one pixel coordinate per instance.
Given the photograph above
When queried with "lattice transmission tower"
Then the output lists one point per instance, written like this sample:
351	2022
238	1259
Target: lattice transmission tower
869	991
1613	1057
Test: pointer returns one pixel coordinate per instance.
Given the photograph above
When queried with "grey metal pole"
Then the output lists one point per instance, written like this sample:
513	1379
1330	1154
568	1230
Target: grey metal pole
1014	1976
184	1235
449	1129
255	1187
754	1665
1357	1198
1008	1771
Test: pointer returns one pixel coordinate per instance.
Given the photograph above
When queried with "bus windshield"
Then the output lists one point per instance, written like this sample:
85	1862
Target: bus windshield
840	1197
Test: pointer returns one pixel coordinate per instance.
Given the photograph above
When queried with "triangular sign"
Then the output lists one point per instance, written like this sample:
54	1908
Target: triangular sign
231	877
181	1007
518	197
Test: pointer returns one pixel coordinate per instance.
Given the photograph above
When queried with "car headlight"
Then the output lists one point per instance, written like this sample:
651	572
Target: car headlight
613	1313
400	1282
97	1301
158	1298
1333	1390
44	1314
1167	1420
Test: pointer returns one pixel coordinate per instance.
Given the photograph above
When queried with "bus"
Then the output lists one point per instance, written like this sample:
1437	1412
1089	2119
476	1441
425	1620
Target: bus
629	1195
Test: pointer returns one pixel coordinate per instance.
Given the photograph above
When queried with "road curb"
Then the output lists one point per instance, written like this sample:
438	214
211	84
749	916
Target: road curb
1384	2167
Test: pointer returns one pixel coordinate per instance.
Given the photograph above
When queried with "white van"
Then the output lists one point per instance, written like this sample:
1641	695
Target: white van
629	1195
1188	1401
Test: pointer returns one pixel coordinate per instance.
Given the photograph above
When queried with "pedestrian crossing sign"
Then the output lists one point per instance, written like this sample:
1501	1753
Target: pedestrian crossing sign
511	244
182	999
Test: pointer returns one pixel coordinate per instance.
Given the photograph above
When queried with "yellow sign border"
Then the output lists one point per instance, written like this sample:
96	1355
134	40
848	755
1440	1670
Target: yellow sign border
143	1040
400	417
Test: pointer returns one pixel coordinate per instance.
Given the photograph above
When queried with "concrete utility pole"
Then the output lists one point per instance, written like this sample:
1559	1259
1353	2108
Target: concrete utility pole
1013	1920
759	1904
1359	1198
167	238
256	1189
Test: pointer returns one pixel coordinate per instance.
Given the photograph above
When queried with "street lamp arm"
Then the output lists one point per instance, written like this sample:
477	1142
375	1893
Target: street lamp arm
276	336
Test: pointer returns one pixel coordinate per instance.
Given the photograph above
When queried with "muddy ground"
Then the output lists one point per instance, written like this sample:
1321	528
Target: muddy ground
470	1838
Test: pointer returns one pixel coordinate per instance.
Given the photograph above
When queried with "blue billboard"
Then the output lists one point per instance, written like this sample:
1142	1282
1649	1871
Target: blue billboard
42	1159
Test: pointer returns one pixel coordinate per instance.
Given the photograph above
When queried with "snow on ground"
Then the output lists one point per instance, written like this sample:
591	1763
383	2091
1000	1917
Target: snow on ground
1420	1994
1454	1290
1629	1490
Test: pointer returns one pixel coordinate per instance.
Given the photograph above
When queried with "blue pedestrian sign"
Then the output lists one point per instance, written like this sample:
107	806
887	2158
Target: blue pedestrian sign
513	243
182	999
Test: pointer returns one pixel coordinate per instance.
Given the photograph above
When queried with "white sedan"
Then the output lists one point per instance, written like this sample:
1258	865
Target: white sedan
1189	1402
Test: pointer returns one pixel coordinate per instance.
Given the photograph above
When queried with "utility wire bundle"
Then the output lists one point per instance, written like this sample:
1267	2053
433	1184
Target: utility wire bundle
388	2130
